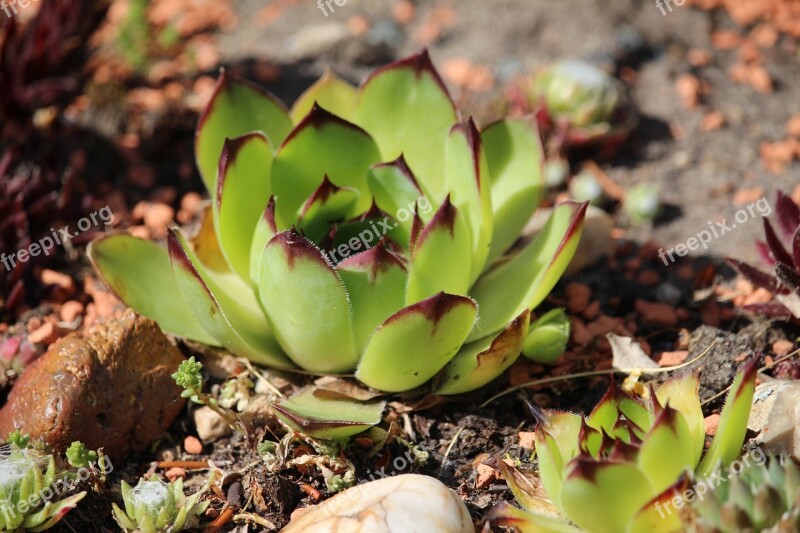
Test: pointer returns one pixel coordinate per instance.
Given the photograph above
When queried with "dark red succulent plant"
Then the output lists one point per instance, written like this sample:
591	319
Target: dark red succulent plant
41	61
783	255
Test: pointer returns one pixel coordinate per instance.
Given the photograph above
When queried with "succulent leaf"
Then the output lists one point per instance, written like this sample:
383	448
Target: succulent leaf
329	91
297	287
314	149
478	363
222	313
412	345
467	176
682	394
326	206
264	231
537	268
667	450
396	191
396	103
328	418
242	190
587	500
375	281
441	256
505	514
727	442
514	157
136	269
237	107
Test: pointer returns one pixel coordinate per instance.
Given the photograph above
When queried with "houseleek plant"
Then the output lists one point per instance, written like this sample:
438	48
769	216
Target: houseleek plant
155	506
367	230
28	486
621	468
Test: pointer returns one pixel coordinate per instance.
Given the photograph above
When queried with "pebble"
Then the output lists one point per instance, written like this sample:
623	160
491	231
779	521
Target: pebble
396	504
157	218
45	334
527	439
70	310
175	473
711	423
782	347
673	358
51	277
210	425
192	445
657	314
668	293
578	296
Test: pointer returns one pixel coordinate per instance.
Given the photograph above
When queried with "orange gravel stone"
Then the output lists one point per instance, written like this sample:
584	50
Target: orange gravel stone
657	314
711	423
782	347
45	334
527	439
192	445
747	196
673	358
70	310
578	296
175	473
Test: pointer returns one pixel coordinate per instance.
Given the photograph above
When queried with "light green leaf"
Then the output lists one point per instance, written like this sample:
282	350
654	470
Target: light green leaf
326	206
236	107
682	394
515	158
666	451
136	269
603	497
658	515
307	306
396	103
264	231
327	418
528	277
322	144
504	514
228	316
330	92
478	363
727	443
396	191
412	345
441	256
376	282
467	175
242	192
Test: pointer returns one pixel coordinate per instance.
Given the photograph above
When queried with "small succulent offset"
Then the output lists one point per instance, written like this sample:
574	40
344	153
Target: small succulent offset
548	338
784	280
582	103
155	506
613	470
762	497
360	231
26	481
79	456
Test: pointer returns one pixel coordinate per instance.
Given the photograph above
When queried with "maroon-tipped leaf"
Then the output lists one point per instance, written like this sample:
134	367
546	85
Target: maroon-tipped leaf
788	214
754	275
776	248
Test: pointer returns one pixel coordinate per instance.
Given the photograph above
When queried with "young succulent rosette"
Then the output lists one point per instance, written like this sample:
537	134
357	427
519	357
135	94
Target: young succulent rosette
26	491
154	506
582	102
361	231
617	469
761	497
784	280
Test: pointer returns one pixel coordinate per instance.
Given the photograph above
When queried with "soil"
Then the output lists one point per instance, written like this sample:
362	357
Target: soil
699	173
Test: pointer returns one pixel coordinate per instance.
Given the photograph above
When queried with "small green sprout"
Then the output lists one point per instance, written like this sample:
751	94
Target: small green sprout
155	506
642	203
585	188
190	379
16	438
78	456
548	338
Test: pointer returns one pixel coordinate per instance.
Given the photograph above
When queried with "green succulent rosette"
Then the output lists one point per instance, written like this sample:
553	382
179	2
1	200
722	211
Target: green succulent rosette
620	468
153	506
367	230
28	487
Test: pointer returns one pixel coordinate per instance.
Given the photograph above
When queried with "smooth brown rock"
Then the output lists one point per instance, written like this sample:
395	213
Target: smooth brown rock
108	387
